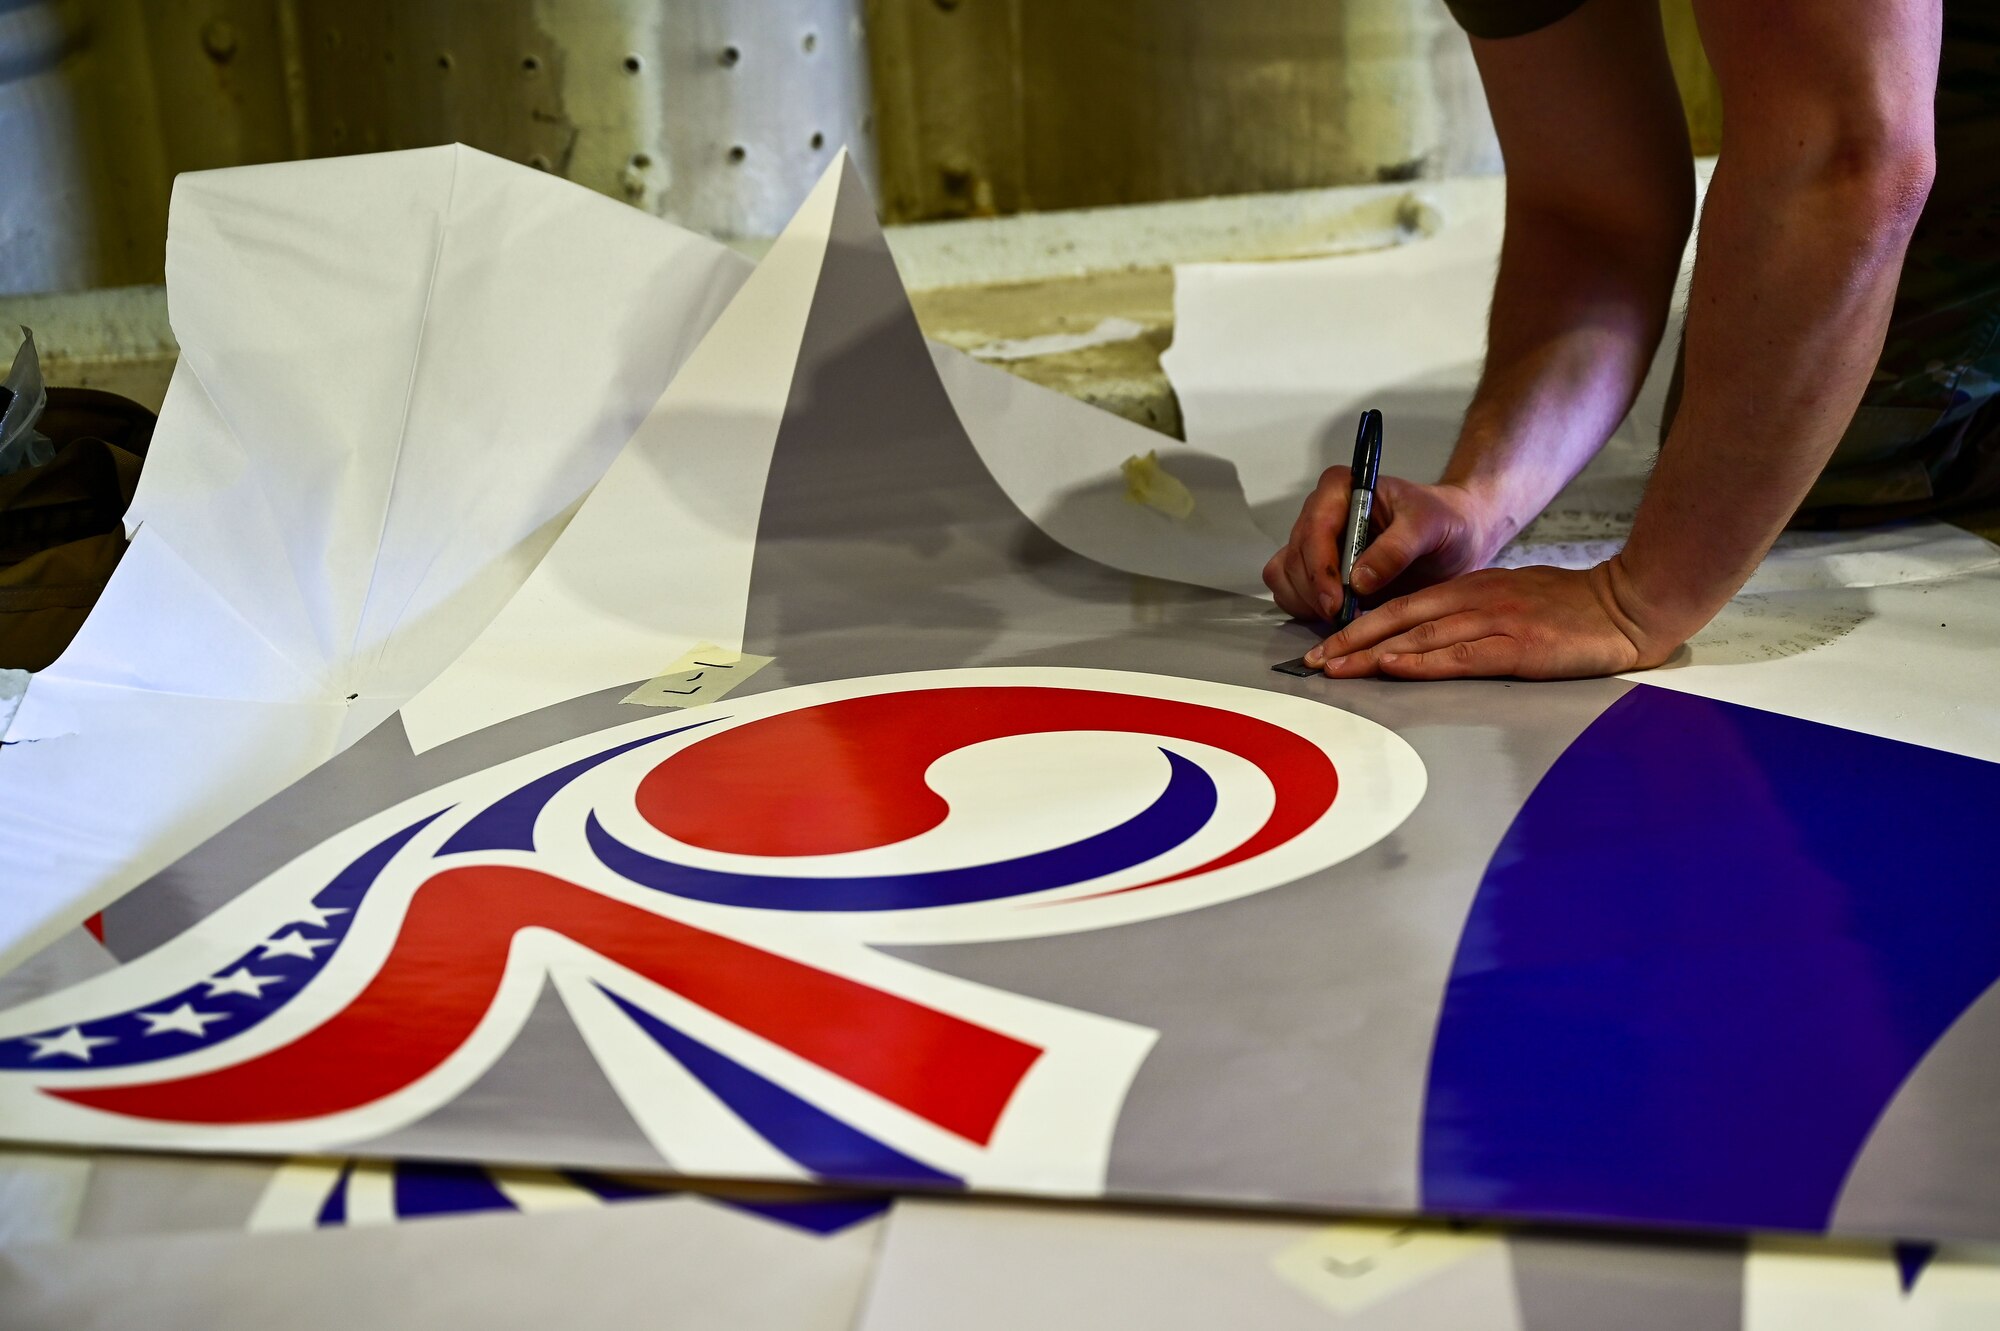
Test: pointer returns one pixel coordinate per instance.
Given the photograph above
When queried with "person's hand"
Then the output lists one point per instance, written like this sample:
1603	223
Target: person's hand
1533	623
1424	534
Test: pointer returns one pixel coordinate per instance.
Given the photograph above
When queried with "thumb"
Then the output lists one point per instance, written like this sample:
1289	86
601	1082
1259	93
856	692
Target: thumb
1389	555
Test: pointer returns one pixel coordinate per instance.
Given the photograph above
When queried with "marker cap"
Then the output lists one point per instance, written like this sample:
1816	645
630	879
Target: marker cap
1368	450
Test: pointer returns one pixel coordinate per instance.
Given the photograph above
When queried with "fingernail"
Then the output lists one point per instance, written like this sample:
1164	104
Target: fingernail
1363	580
1388	658
1335	663
1327	605
1314	657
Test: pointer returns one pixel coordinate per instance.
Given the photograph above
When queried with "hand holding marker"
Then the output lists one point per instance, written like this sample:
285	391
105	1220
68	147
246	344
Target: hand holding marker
1360	505
1354	539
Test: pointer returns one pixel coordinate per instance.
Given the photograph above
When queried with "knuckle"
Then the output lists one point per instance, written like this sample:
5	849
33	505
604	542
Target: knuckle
1460	653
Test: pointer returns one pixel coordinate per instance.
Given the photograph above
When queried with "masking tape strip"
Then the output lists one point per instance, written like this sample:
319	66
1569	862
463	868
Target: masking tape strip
702	674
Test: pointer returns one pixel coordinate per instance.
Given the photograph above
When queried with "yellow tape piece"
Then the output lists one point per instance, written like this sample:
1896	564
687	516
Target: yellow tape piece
702	674
1347	1267
1150	484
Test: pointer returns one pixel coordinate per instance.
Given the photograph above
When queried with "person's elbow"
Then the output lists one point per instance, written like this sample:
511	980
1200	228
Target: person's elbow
1886	180
1866	169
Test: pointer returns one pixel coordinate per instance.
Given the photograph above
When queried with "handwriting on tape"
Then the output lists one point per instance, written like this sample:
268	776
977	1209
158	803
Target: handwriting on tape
702	674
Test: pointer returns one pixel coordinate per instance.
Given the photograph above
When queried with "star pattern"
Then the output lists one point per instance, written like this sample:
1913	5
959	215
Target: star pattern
183	1018
240	981
228	997
72	1042
293	944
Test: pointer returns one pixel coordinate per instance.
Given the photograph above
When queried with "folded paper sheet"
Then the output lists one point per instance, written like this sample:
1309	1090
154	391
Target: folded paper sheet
398	374
1017	871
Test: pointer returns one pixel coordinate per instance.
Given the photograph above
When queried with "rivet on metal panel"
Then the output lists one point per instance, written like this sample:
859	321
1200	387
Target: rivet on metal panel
730	55
219	40
531	65
737	154
539	162
818	140
809	43
444	61
633	64
633	179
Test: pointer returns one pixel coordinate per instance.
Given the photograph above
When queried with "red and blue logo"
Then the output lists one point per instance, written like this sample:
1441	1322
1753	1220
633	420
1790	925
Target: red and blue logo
703	890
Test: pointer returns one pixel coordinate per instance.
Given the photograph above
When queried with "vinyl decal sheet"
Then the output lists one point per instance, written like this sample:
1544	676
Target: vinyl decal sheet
1018	871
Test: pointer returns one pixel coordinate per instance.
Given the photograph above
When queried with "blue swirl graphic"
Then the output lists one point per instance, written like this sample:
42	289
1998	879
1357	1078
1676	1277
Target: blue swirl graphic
1181	810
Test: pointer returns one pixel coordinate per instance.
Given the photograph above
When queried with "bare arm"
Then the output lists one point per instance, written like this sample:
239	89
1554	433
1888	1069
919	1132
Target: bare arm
1600	196
1825	170
1825	165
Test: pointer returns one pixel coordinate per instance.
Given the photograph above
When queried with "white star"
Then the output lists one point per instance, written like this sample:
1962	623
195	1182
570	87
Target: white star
72	1042
240	981
293	944
317	916
183	1018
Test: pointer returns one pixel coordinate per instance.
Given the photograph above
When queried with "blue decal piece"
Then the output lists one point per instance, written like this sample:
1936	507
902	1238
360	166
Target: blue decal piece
1911	1259
1181	810
815	1139
333	1211
823	1218
508	823
1713	944
234	997
611	1188
441	1188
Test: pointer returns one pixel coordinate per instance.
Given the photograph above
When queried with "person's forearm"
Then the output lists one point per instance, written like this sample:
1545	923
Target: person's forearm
1578	310
1791	296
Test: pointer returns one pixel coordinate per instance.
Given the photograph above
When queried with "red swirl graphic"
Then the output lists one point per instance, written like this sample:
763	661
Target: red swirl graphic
440	980
849	775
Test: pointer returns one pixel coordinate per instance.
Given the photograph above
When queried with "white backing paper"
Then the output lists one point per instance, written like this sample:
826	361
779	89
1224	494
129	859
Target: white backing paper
399	373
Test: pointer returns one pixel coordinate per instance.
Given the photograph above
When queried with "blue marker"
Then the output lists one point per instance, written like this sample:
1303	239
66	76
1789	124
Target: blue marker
1360	504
